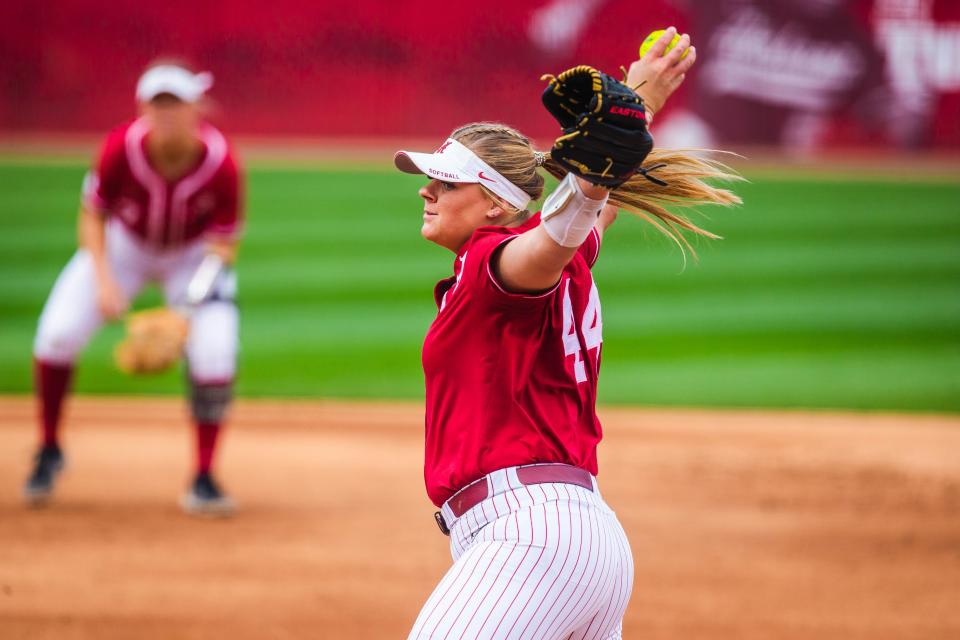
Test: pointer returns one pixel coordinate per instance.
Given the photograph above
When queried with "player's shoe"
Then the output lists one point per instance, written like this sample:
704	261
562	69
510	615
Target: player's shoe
48	462
206	499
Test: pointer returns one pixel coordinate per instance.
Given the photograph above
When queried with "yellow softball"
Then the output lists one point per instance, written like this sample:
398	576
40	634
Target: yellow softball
653	37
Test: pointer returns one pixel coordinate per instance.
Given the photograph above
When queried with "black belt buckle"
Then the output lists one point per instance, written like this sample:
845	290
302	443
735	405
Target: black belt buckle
438	516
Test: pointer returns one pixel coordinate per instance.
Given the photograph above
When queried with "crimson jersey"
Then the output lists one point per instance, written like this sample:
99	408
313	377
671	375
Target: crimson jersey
510	378
204	201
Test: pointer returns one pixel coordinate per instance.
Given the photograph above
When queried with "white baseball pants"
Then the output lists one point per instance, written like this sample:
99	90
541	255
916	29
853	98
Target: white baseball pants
71	315
546	561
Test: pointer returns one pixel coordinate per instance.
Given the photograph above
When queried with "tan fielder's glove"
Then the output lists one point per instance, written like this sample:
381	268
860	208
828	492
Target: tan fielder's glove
154	341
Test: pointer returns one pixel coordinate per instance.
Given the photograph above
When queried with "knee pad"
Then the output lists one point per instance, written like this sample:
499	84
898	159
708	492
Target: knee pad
209	402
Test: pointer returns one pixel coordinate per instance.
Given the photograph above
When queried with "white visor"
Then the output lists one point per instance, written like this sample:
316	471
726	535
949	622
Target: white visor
174	80
453	162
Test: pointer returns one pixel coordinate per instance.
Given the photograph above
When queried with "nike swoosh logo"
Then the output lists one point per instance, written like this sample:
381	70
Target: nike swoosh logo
480	175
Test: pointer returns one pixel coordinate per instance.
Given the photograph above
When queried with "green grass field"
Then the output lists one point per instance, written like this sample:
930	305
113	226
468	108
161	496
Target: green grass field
825	293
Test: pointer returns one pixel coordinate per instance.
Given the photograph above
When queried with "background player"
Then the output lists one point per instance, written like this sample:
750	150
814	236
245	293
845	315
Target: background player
165	193
511	364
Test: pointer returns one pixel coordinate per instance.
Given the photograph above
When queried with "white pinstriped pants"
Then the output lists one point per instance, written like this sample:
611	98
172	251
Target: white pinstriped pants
545	561
71	317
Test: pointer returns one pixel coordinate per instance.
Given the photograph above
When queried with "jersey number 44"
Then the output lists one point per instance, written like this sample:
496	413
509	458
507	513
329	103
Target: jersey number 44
587	335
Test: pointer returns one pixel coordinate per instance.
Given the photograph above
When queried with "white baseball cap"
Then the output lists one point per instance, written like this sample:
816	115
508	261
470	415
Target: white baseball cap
453	162
175	80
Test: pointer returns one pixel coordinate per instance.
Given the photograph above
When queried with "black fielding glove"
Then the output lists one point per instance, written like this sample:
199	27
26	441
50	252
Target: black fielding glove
605	137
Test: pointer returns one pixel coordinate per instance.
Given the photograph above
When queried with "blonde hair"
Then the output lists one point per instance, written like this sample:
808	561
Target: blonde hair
686	176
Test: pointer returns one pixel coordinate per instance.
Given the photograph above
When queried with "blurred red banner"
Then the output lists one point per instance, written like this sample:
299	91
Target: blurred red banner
783	72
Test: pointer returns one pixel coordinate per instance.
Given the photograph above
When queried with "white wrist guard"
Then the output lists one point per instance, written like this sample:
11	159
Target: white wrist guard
202	283
568	216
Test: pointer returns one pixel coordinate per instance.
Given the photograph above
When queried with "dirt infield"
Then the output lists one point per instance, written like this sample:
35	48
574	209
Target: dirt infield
743	524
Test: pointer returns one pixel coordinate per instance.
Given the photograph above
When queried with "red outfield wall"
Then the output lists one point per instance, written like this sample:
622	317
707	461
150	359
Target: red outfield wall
418	68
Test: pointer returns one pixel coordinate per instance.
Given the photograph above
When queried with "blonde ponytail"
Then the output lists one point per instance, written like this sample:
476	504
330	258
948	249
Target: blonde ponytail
686	175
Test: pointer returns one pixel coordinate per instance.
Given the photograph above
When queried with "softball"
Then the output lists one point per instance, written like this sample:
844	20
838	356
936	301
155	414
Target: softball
653	37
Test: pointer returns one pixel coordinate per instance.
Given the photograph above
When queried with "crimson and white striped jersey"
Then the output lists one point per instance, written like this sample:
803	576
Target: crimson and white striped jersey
164	214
